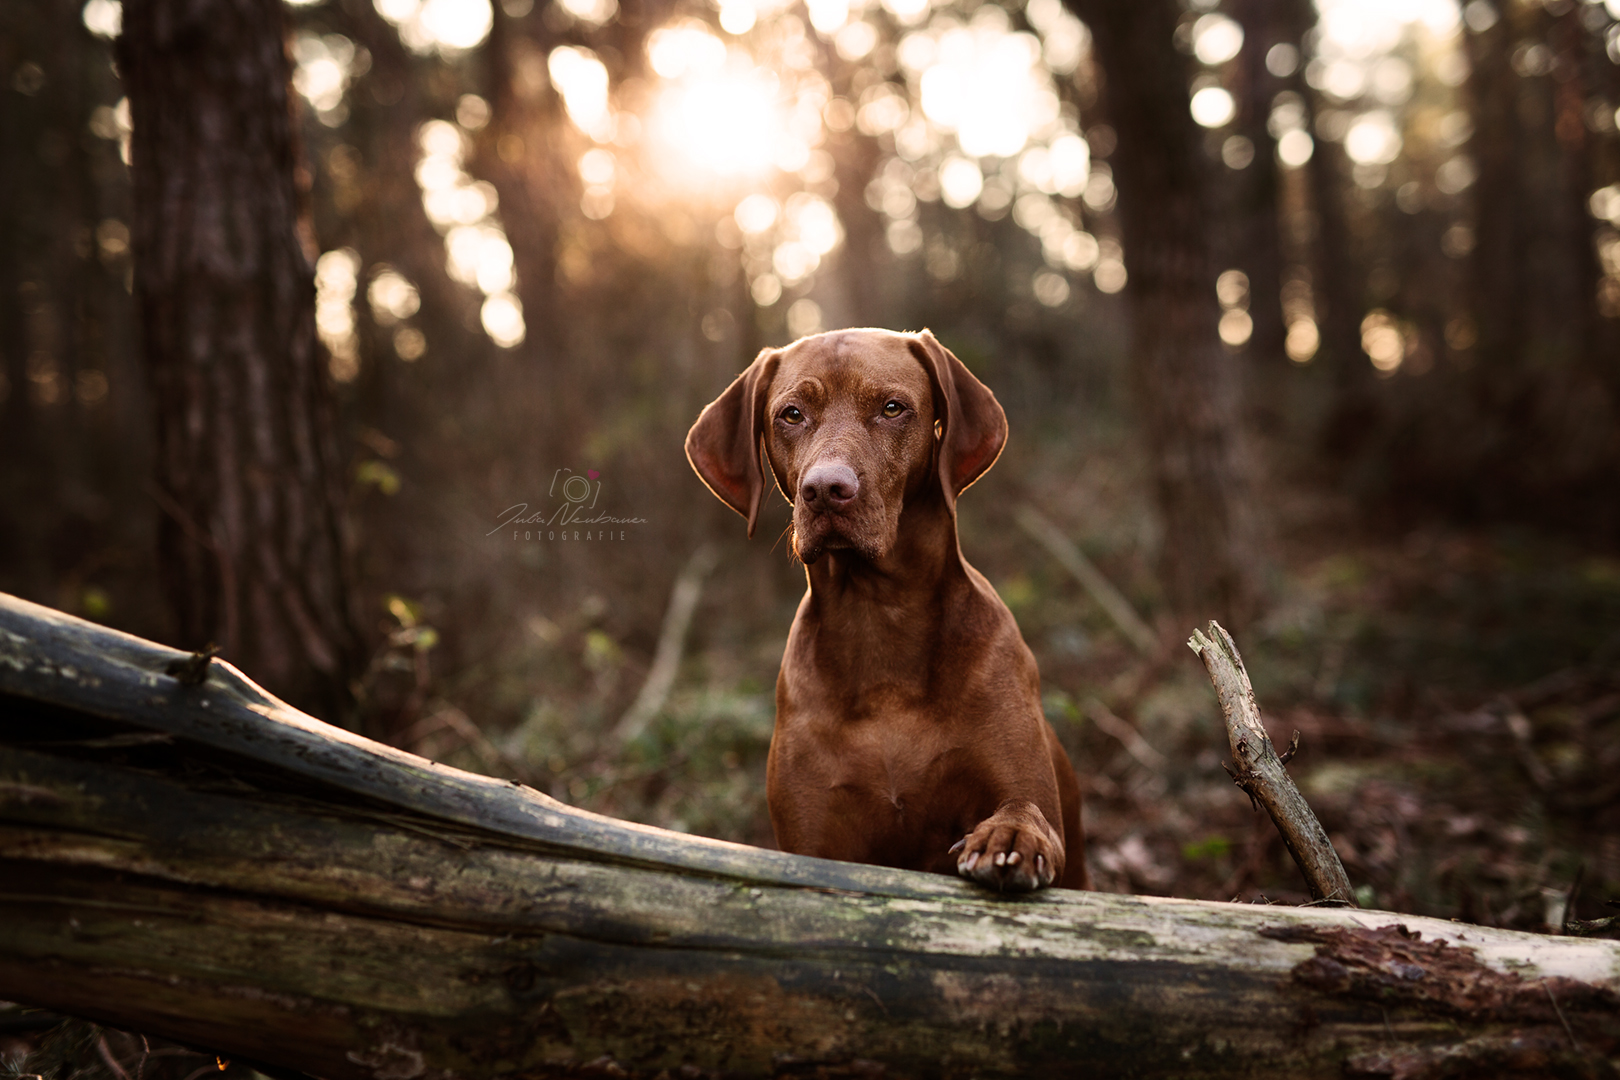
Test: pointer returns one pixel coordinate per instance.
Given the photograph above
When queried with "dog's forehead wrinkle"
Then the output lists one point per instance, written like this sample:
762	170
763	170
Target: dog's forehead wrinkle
858	355
806	387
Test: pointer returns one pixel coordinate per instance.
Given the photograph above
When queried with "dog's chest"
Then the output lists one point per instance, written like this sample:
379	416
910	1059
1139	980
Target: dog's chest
892	763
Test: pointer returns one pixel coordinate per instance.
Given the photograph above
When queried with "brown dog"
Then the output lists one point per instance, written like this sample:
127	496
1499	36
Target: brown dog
909	730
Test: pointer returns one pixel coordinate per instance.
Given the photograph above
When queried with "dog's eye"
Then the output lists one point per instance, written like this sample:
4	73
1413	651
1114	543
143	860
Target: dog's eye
792	414
893	409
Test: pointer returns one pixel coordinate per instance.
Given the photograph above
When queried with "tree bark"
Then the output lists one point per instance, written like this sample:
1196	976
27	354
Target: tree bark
183	855
247	467
1187	388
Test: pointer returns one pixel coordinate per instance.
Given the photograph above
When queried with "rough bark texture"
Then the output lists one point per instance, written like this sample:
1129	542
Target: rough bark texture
250	549
196	860
1260	771
1186	386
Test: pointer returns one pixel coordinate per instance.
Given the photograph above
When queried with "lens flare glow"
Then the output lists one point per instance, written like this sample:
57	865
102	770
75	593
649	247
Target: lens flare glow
1295	148
738	18
446	26
1373	139
1302	341
685	47
1213	107
392	297
1050	289
477	253
502	318
960	181
1236	327
756	214
804	317
582	80
1382	341
594	12
814	222
336	278
104	18
1604	203
828	16
322	69
989	89
1216	39
730	120
725	124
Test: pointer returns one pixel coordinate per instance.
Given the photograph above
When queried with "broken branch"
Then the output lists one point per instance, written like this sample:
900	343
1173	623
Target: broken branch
1260	772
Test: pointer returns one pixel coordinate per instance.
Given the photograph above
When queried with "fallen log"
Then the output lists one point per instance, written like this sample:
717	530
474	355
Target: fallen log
194	859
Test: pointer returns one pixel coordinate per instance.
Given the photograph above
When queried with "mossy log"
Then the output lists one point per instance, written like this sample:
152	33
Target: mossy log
182	855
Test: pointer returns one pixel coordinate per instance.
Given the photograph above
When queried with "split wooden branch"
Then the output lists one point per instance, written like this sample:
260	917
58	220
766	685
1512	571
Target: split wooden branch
203	863
1260	770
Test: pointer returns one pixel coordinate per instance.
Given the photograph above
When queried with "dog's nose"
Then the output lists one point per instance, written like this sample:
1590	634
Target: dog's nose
829	487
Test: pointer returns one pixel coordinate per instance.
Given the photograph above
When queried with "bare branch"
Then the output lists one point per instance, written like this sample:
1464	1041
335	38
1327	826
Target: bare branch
1260	771
1110	599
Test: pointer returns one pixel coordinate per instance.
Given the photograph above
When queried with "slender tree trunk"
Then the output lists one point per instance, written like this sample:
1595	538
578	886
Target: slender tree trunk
251	549
16	418
1256	243
1337	275
1337	292
1502	233
1187	388
518	152
1546	417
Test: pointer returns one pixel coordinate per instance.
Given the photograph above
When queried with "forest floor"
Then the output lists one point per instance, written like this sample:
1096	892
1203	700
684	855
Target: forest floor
1458	700
1457	694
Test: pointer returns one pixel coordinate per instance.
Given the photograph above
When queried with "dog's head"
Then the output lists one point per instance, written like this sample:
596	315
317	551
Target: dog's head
854	425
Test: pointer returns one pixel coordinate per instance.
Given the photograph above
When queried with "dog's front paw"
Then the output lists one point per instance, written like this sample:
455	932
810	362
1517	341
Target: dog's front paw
1014	850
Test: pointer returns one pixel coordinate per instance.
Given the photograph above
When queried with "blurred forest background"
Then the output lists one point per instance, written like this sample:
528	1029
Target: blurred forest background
1367	250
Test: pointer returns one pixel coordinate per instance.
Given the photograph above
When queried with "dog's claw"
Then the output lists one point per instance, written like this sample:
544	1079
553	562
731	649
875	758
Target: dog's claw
958	846
1007	856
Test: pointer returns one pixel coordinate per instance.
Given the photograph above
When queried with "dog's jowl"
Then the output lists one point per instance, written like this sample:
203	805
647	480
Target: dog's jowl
909	729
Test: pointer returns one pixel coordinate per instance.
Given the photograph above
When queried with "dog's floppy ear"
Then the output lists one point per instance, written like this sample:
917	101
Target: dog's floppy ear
974	426
724	445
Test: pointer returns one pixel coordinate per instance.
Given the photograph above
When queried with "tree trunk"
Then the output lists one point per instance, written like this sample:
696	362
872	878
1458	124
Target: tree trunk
247	470
1254	241
182	855
1501	295
1187	388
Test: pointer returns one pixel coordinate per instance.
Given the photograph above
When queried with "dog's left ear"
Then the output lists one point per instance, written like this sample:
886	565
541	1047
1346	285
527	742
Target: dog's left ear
974	425
724	445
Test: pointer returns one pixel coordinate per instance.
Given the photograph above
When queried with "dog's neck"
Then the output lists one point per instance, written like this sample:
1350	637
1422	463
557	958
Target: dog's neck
908	586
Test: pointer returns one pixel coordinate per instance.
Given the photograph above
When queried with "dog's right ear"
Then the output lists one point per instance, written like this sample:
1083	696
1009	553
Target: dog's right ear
724	445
